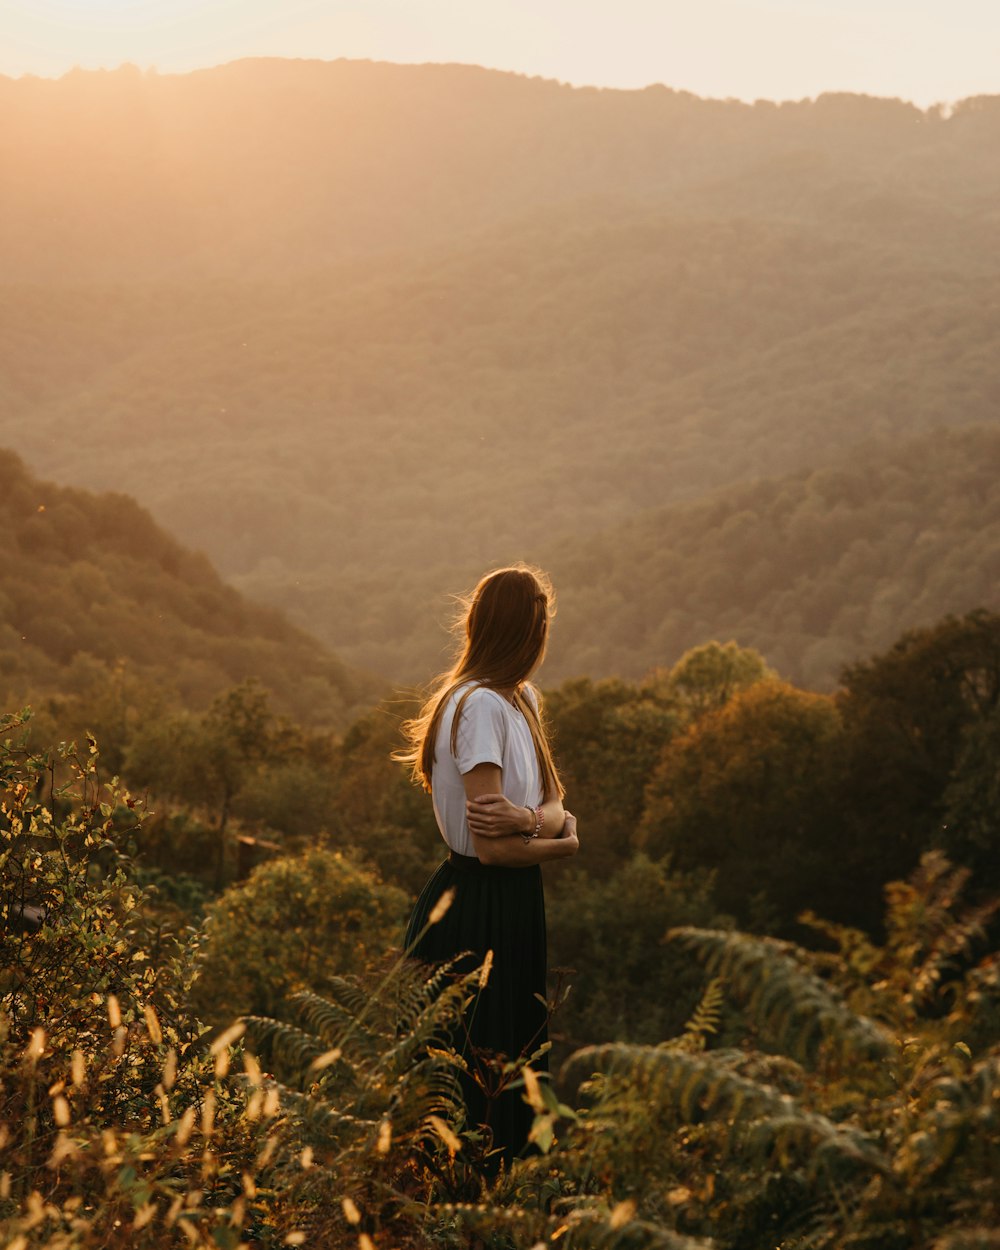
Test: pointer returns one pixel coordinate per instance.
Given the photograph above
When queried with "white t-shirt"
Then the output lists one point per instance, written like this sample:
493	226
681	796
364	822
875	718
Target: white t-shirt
490	731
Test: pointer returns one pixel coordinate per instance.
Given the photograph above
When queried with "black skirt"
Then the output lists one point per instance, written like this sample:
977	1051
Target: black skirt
502	910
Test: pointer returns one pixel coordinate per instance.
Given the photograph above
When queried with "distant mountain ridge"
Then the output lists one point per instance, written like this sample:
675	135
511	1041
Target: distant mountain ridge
361	330
266	166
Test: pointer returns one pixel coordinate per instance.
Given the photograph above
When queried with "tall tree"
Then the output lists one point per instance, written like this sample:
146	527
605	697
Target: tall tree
912	717
747	791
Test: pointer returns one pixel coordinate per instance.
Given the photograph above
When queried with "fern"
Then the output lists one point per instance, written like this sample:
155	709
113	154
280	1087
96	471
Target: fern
791	1006
286	1045
704	1021
923	934
696	1088
328	1020
366	1079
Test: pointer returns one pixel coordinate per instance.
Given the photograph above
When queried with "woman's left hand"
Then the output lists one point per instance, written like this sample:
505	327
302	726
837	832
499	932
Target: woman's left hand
495	816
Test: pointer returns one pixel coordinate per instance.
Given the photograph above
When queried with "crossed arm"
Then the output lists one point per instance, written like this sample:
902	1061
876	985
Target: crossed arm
495	823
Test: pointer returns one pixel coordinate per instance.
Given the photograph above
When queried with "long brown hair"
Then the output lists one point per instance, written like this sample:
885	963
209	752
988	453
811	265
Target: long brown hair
503	628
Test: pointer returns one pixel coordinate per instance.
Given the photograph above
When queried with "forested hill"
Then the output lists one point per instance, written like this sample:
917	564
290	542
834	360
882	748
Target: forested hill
360	331
265	165
815	569
90	585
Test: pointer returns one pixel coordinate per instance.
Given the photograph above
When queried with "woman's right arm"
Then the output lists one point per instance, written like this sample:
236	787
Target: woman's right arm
511	850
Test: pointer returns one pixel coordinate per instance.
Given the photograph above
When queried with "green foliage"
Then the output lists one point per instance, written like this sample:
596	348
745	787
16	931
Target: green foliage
102	1081
207	759
748	790
375	811
971	800
705	678
917	719
369	1088
607	737
761	291
890	1133
859	1112
795	1011
104	612
625	985
69	904
121	1121
295	923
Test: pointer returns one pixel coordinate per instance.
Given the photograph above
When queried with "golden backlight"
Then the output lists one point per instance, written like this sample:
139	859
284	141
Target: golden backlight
775	49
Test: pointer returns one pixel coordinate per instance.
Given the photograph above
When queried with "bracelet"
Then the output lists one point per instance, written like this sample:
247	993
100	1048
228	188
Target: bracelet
539	813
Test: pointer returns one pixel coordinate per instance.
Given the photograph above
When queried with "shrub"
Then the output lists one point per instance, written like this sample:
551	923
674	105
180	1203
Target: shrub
292	925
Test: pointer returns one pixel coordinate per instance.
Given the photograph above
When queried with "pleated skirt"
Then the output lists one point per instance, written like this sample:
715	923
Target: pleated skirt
500	910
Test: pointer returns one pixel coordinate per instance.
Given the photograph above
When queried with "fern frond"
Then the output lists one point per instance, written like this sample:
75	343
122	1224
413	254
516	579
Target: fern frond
953	942
348	993
326	1018
414	987
790	1004
320	1118
699	1088
704	1020
436	1020
286	1044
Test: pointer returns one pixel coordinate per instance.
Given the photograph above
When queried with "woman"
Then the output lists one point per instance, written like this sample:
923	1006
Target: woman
479	746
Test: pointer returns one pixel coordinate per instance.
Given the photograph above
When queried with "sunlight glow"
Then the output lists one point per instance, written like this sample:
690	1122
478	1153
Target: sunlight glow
743	48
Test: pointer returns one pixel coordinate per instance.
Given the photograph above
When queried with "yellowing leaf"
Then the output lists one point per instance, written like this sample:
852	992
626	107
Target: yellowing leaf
441	906
324	1060
152	1023
227	1038
621	1213
533	1089
445	1133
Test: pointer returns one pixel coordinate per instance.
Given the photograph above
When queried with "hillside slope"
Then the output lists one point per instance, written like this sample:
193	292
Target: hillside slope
90	581
814	569
351	450
359	331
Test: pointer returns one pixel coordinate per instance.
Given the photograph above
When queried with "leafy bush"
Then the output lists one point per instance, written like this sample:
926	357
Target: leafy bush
626	985
103	1079
121	1123
295	923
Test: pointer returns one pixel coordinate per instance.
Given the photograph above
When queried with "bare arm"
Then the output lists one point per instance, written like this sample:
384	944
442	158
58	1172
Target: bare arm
496	824
493	815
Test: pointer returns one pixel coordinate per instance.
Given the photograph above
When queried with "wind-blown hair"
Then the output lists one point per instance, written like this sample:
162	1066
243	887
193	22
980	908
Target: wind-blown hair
502	630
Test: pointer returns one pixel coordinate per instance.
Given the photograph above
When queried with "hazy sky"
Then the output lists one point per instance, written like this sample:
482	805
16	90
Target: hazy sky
922	50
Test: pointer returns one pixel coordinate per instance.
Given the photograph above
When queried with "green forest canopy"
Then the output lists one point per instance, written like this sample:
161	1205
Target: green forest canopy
813	570
346	328
89	585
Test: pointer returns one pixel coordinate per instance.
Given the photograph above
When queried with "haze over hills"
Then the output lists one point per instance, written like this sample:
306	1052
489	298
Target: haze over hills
275	165
359	331
90	584
814	570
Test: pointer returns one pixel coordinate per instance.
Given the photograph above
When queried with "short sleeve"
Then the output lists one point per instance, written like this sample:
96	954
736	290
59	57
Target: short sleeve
482	730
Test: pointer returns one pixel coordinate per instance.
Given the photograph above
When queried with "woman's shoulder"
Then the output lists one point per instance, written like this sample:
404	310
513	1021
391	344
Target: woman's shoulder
470	694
